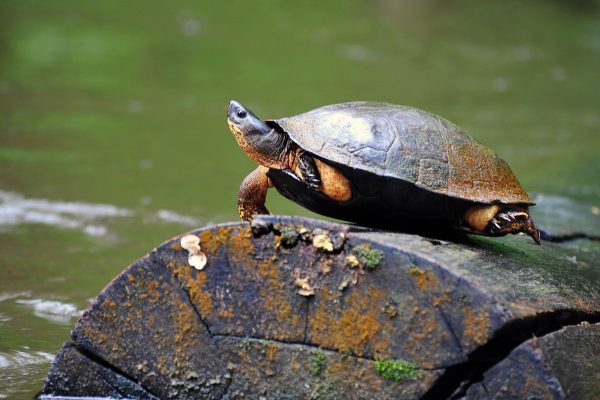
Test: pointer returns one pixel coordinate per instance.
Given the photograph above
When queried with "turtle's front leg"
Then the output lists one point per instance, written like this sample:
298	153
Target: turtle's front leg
253	194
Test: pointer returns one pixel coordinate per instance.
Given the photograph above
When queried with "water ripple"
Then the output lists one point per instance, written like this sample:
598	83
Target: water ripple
15	209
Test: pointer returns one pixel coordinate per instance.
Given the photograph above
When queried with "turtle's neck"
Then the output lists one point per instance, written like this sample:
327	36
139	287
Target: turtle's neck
276	150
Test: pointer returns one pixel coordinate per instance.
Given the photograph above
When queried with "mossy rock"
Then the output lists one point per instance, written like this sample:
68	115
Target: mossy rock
276	314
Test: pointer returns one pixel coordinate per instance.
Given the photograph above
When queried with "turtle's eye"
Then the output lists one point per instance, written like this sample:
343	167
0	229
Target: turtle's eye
241	113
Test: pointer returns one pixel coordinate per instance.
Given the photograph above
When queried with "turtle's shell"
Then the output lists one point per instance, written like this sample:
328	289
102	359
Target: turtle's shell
409	144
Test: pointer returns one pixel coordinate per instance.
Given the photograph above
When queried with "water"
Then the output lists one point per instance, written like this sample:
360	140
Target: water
113	135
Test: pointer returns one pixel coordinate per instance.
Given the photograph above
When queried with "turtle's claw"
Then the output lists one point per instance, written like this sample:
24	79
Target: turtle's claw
513	222
248	211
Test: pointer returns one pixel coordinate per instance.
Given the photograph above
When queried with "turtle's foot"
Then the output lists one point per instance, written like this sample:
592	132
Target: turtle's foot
248	211
511	221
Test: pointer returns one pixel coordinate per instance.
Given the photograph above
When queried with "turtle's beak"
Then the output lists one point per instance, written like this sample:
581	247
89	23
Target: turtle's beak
233	103
243	120
233	108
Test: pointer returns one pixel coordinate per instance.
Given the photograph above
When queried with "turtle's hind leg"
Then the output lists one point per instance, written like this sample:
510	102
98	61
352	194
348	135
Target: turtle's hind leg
497	220
513	221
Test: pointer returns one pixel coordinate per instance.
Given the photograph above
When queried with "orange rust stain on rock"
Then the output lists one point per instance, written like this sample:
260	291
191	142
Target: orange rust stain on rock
183	320
198	295
195	283
444	298
342	367
147	317
184	323
153	291
237	240
429	325
170	265
268	270
354	327
271	351
110	308
182	272
285	311
226	313
476	325
211	241
296	320
426	325
273	294
109	303
240	245
424	280
101	337
294	364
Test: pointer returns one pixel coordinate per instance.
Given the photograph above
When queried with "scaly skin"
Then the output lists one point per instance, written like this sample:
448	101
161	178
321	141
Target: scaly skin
253	193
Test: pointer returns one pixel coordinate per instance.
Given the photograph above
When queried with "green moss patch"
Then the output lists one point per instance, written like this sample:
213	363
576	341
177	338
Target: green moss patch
396	370
317	363
368	257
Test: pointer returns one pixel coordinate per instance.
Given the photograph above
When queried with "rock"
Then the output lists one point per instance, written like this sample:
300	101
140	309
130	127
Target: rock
295	308
561	364
562	218
92	377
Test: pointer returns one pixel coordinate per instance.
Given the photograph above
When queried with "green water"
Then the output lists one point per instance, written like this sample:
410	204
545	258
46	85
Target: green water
123	103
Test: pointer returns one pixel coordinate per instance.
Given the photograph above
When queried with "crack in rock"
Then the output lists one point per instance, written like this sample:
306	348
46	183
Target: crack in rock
457	379
296	343
103	363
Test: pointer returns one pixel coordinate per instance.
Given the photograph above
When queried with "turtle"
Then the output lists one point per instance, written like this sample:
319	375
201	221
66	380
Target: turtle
380	165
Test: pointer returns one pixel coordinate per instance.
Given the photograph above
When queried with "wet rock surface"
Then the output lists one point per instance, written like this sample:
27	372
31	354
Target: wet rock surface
295	308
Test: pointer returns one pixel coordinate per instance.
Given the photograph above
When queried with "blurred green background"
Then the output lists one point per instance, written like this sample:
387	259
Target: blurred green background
113	135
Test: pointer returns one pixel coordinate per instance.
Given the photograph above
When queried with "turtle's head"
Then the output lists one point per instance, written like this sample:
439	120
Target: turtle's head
243	122
264	144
